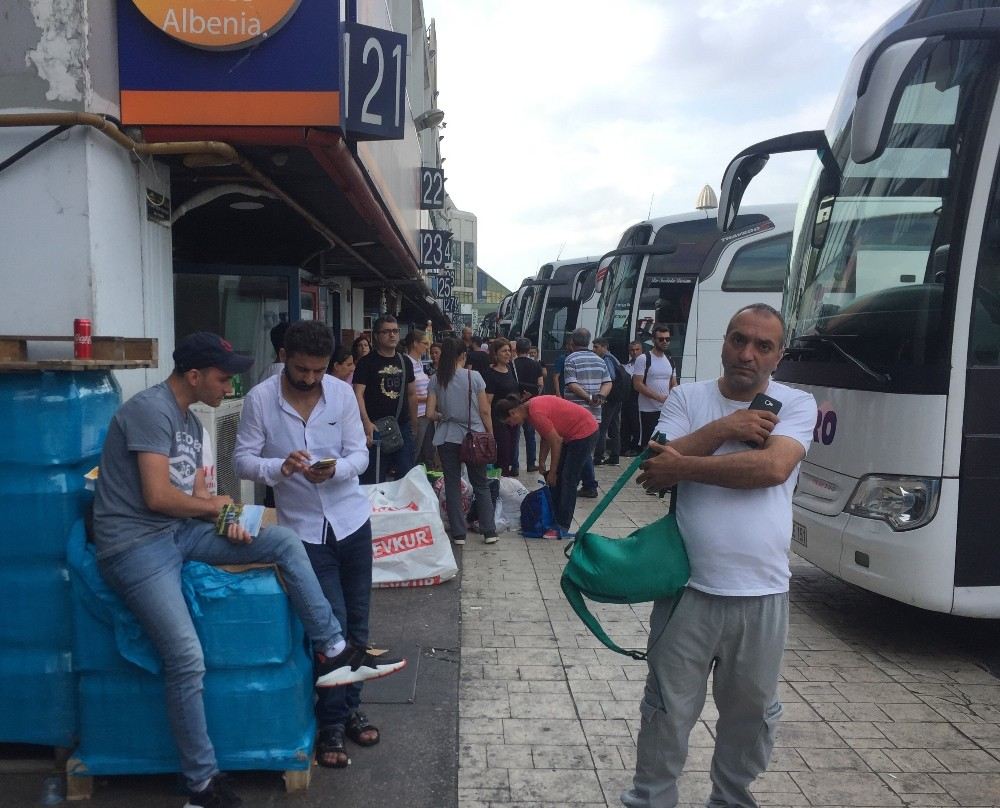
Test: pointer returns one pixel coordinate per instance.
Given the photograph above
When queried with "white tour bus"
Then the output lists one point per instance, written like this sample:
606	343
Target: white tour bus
557	295
694	287
893	313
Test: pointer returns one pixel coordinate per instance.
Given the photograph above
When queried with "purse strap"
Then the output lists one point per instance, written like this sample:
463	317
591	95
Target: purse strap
470	402
615	489
402	386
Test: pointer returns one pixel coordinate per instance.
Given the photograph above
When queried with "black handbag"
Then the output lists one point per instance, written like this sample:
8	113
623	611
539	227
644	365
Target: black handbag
388	427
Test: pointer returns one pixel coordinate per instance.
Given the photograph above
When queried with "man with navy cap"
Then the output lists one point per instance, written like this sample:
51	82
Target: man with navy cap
153	512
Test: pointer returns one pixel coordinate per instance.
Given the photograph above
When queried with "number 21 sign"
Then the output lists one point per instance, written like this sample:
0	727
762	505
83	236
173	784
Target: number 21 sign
374	82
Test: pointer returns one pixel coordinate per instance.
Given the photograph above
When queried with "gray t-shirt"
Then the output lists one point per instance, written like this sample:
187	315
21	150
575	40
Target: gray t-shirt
150	421
453	404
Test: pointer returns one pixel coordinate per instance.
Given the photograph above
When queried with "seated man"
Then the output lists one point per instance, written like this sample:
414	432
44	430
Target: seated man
153	512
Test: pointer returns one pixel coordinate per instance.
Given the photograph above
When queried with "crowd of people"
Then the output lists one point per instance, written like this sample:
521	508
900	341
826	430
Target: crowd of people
321	422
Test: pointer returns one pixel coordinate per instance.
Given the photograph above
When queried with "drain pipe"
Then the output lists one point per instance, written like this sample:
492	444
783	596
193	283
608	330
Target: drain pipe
67	120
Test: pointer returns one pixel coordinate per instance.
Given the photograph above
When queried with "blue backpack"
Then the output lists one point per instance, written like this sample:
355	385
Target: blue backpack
538	513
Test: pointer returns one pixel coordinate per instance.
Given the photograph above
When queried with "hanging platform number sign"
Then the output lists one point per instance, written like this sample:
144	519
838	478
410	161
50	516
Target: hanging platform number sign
445	282
435	248
431	188
374	82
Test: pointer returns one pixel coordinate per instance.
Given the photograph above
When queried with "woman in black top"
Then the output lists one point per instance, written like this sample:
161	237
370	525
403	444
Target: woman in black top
501	381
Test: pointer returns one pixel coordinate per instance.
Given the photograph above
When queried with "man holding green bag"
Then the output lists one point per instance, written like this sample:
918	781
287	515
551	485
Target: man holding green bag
734	508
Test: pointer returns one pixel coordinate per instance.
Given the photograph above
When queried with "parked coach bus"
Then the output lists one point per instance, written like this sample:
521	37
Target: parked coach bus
893	313
696	288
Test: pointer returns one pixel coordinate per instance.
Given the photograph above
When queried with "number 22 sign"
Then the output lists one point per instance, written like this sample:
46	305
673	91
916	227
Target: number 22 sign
374	82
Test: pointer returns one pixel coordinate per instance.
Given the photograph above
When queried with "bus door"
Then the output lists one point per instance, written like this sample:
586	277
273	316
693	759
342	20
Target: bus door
665	299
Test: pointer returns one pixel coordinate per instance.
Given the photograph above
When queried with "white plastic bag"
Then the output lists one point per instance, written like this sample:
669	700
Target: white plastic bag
512	492
466	487
409	544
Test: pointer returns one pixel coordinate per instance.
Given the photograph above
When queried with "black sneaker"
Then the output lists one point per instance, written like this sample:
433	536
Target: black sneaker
355	664
599	461
587	493
612	461
218	794
532	469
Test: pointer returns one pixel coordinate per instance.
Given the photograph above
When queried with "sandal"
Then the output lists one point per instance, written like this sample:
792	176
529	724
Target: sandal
358	726
330	751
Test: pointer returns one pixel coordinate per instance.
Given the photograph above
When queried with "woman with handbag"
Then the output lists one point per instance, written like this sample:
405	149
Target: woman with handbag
568	431
501	381
457	404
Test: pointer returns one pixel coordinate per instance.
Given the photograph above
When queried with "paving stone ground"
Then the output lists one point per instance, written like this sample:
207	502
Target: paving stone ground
880	709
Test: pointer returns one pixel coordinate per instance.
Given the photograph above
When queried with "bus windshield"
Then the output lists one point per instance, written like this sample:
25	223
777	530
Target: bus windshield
614	318
868	302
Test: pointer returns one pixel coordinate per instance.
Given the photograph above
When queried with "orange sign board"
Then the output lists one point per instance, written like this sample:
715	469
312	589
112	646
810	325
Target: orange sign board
218	24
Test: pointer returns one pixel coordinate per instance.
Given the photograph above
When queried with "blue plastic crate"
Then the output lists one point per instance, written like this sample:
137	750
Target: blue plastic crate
243	619
34	606
258	718
38	690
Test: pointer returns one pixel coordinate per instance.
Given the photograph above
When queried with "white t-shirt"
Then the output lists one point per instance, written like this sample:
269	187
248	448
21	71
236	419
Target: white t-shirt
737	539
660	374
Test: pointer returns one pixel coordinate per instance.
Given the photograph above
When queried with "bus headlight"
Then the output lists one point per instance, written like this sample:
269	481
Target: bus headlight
904	502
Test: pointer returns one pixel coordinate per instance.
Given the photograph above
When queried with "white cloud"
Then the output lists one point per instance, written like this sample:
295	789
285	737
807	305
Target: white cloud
565	118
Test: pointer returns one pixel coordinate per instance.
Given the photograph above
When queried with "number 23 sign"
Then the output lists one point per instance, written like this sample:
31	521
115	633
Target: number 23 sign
374	82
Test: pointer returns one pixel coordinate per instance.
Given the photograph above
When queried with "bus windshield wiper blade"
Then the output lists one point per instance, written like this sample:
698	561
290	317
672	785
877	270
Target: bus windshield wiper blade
824	339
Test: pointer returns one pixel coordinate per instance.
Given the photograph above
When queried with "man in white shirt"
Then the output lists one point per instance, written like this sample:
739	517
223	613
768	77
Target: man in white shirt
653	383
734	510
630	408
301	433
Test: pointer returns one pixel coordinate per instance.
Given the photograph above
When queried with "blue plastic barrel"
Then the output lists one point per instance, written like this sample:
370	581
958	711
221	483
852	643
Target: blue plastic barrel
55	424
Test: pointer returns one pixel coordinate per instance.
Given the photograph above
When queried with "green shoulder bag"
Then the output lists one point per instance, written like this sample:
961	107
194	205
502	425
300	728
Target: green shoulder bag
648	564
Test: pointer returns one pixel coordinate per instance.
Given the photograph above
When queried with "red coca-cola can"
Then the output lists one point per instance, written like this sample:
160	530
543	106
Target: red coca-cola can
81	339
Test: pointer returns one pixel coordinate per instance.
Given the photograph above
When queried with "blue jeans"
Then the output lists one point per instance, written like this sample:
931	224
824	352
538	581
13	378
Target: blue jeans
530	447
344	570
399	462
574	458
148	579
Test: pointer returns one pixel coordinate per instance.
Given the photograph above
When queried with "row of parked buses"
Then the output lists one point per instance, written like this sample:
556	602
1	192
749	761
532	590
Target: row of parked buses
889	279
680	270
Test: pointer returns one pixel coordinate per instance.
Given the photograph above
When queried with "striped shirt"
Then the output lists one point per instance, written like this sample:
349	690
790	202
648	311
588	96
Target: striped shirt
588	370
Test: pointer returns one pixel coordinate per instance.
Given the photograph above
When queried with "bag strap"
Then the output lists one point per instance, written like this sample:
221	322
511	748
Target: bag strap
579	605
614	491
470	401
576	601
402	386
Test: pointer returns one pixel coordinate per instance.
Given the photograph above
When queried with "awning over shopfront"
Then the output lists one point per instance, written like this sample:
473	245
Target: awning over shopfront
327	218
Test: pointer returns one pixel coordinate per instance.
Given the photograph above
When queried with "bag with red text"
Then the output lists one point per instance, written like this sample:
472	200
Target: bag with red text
409	543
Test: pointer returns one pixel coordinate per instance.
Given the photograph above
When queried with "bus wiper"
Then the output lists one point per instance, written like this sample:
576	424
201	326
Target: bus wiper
823	339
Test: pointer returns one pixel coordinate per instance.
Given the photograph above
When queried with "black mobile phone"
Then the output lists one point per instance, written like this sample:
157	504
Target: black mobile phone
762	401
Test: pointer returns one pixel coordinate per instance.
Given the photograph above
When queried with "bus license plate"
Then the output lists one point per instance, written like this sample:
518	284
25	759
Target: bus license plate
799	534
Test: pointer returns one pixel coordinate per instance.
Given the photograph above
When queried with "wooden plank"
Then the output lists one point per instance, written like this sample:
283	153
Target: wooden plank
109	353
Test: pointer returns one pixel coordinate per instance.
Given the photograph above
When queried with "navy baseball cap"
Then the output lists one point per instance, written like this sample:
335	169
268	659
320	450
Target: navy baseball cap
203	349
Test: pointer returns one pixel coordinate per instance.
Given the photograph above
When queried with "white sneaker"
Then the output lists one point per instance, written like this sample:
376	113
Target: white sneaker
492	539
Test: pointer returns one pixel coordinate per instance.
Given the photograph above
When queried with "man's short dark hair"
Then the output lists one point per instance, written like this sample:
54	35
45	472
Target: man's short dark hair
602	341
308	338
659	328
522	345
278	335
381	321
477	341
760	308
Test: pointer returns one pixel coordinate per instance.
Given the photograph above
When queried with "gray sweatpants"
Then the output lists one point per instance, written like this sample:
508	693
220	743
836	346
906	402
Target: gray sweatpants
739	641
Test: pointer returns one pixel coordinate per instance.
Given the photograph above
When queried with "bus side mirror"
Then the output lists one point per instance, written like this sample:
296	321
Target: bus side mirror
879	98
734	184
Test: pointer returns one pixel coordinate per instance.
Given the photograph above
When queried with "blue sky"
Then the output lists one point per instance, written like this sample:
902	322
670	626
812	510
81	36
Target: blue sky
569	121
